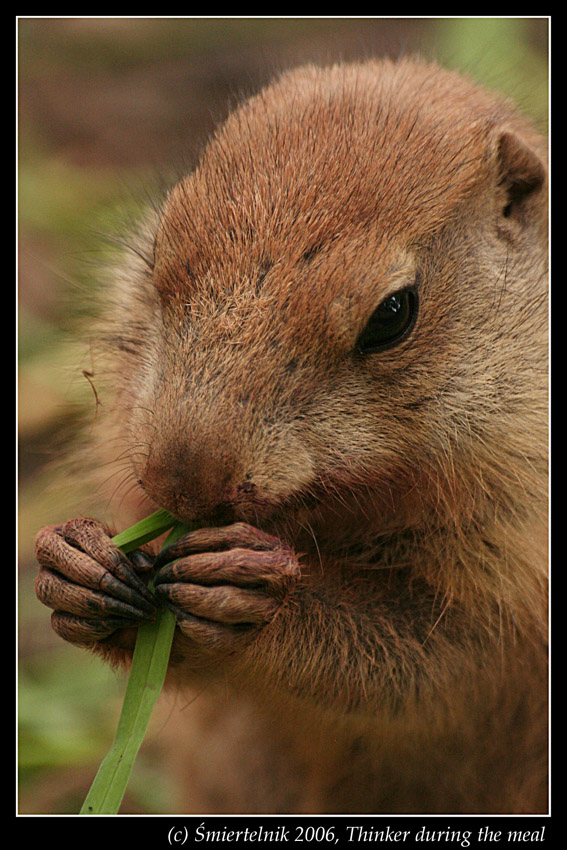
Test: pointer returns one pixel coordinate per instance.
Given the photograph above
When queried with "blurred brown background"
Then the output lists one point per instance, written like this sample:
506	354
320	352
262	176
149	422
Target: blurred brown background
110	108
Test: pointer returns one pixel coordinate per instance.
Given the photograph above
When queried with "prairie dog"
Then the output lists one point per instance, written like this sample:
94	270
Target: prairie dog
329	349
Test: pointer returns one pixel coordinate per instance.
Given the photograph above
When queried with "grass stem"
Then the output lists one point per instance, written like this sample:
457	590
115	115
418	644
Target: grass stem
147	674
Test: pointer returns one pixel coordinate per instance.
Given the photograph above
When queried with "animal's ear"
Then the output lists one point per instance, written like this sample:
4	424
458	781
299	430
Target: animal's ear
521	174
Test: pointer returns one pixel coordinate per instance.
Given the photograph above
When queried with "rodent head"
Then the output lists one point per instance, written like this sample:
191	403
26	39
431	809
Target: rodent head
267	377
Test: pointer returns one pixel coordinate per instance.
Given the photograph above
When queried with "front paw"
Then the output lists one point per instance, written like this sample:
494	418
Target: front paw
224	584
90	584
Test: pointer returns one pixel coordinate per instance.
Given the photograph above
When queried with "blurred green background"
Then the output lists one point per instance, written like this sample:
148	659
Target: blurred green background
108	108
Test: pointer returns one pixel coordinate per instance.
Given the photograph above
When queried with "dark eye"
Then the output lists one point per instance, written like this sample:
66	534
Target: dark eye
390	322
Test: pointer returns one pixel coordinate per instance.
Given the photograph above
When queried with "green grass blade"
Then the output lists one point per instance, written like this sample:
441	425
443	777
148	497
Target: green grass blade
144	531
147	674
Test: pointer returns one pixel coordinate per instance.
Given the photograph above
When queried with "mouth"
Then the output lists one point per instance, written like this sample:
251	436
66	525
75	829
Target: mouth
292	512
253	512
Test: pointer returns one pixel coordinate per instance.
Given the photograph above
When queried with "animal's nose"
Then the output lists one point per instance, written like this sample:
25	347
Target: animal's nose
200	479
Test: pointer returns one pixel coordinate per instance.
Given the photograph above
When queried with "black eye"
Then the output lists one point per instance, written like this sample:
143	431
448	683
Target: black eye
390	322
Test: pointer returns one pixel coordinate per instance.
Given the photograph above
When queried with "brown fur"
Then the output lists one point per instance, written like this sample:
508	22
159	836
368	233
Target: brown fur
406	669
